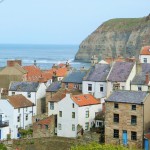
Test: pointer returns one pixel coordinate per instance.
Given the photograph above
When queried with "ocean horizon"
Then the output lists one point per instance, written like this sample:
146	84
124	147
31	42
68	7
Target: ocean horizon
45	55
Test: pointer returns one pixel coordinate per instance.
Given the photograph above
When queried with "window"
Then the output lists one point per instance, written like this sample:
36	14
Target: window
73	127
26	117
73	114
60	113
145	60
133	107
13	93
66	85
59	126
101	88
51	105
86	125
116	133
116	86
46	127
18	119
72	105
133	135
123	87
87	114
116	105
133	120
76	86
29	94
116	118
89	87
139	88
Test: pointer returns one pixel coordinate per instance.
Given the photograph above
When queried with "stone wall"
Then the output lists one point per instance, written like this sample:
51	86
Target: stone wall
125	113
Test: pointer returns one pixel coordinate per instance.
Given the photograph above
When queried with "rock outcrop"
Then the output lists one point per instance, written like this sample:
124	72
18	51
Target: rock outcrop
116	37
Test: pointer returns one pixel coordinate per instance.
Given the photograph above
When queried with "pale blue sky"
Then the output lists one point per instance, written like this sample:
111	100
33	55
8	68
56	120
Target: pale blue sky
61	21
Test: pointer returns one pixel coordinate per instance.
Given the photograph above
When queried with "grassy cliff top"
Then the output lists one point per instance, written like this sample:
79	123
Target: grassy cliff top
125	24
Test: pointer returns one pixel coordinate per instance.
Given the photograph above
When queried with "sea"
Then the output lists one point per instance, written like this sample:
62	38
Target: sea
45	55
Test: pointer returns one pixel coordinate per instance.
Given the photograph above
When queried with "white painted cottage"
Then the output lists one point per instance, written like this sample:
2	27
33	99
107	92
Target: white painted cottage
120	76
145	54
95	81
74	111
34	91
17	110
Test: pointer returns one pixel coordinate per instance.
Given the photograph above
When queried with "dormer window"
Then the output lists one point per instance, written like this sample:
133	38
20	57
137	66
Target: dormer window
145	60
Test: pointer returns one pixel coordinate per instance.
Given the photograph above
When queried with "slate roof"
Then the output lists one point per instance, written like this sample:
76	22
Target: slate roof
19	101
140	78
85	100
24	86
135	97
120	71
54	87
98	73
74	77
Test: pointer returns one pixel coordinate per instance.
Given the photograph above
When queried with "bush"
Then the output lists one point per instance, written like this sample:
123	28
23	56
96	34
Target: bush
96	146
3	147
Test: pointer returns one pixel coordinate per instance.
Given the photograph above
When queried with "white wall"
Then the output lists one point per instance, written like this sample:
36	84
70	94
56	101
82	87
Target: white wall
141	57
135	87
85	87
53	112
4	132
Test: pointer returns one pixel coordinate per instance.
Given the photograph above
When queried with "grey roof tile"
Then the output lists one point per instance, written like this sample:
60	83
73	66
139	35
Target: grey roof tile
74	77
54	87
98	73
120	71
135	97
24	86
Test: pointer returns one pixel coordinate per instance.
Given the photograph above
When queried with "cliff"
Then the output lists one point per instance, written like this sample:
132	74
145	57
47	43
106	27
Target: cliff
116	37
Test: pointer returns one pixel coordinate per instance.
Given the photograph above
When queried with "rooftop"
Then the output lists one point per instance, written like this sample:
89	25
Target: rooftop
54	87
120	71
24	86
135	97
98	73
85	100
145	50
74	77
19	101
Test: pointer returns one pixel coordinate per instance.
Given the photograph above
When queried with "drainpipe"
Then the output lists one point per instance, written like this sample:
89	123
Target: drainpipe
23	118
143	125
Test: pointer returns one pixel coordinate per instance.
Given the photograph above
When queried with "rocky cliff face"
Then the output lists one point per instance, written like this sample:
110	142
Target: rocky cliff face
116	37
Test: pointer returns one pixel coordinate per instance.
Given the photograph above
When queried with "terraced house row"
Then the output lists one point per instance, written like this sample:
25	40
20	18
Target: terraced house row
65	102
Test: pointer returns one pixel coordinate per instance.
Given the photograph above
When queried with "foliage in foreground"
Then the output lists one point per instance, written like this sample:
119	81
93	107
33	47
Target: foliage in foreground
96	146
3	147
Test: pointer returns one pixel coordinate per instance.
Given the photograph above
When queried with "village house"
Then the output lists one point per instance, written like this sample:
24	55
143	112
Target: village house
74	111
120	76
45	127
12	72
74	80
18	112
34	91
127	117
141	80
145	54
51	91
95	81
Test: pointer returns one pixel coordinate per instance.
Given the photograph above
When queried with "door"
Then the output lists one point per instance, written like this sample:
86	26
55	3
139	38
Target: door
146	144
125	137
0	119
0	134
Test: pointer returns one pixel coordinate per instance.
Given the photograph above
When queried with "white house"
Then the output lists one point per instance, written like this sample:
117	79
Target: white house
18	111
74	111
141	80
95	81
145	54
120	76
34	91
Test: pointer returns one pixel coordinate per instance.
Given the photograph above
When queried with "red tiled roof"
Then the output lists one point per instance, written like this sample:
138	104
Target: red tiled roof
60	72
45	121
85	100
145	50
19	101
61	65
33	73
47	75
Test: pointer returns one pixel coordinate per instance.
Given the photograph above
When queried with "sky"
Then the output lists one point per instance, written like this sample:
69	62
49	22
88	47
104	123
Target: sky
61	21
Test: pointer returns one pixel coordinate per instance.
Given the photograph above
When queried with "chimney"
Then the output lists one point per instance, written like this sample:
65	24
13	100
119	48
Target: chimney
41	80
138	67
35	63
11	63
147	78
